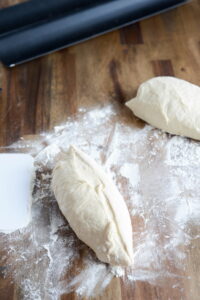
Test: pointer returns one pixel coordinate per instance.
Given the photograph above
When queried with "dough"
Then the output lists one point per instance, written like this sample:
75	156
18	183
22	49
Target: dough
93	207
170	104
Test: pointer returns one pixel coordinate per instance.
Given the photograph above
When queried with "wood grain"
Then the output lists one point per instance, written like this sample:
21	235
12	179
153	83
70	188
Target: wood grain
162	68
131	35
38	95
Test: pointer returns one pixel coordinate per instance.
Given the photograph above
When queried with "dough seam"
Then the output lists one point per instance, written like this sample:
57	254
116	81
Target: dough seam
107	202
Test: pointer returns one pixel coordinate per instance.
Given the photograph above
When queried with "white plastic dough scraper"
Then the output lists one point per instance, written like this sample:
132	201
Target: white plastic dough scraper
16	184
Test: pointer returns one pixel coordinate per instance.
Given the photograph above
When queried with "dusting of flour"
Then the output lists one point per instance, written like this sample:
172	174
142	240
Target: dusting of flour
159	177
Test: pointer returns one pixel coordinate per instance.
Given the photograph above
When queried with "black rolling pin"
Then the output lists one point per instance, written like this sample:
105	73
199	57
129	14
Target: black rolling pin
30	12
68	24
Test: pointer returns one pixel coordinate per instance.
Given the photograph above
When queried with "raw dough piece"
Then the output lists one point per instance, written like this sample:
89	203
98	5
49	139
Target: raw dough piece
93	207
170	104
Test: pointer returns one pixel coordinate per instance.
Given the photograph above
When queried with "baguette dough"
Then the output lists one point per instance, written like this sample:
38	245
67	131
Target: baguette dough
170	104
93	207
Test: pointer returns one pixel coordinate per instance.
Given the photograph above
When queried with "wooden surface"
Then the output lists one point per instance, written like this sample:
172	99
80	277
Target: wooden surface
38	95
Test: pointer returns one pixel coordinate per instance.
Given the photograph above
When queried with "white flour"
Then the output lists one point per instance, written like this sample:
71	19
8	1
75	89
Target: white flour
157	174
131	172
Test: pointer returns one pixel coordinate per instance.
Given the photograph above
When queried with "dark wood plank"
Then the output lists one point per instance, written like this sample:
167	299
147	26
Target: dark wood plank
162	68
131	35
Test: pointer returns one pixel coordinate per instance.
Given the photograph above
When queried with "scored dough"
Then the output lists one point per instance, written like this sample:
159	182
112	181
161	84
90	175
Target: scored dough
93	207
170	104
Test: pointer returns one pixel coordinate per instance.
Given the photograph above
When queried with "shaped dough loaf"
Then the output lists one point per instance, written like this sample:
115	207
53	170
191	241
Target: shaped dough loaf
170	104
93	207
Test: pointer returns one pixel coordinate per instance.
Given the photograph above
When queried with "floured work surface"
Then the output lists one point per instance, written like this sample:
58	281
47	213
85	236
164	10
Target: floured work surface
159	177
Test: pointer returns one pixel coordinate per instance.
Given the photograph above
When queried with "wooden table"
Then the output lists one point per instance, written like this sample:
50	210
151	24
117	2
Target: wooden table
38	95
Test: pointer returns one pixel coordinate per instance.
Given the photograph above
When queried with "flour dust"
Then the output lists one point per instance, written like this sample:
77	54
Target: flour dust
159	177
